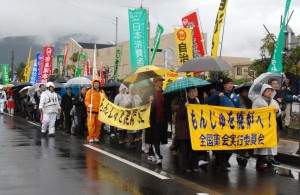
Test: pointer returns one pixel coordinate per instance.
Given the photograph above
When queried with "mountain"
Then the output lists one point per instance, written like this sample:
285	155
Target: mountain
22	44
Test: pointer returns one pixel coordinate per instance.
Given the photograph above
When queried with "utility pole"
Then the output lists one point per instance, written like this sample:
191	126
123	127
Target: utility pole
116	41
12	64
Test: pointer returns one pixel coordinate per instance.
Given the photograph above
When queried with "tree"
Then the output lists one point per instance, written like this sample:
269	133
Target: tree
20	70
71	68
268	45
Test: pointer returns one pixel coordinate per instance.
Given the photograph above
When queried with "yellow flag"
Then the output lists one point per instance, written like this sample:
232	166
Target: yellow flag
184	45
225	128
27	70
218	27
169	78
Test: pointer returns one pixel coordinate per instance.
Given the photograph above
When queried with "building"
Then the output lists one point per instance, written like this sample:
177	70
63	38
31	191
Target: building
106	57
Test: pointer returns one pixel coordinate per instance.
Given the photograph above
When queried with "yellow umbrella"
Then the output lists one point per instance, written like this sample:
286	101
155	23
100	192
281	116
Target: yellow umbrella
144	73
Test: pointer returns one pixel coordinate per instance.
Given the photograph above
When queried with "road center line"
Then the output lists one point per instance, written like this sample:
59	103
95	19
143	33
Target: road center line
127	162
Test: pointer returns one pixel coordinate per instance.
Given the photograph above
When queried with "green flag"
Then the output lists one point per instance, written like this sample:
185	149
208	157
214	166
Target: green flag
5	74
117	62
138	28
276	61
80	64
60	61
159	31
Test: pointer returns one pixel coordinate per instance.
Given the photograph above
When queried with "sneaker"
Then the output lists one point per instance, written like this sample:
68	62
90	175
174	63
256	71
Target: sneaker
152	158
96	140
146	151
195	170
112	135
158	162
91	140
202	163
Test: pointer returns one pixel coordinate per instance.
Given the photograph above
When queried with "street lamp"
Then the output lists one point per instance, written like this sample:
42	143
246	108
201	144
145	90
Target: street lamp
298	72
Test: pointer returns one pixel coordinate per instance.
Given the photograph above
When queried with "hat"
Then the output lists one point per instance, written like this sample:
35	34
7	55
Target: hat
158	78
227	80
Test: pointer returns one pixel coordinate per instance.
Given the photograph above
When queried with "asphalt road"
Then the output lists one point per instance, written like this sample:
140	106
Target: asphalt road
32	164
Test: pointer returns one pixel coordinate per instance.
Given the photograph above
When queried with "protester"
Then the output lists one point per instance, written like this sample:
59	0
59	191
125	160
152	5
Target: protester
120	100
160	115
37	96
66	105
227	98
2	99
267	94
49	106
246	103
92	102
10	102
190	158
288	94
81	112
132	100
175	108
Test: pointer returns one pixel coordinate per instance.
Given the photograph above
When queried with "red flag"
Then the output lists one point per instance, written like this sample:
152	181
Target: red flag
47	68
102	79
87	68
65	60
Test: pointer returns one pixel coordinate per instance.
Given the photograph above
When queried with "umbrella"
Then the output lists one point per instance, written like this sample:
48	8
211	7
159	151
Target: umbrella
111	84
239	88
61	80
204	64
144	73
184	83
78	81
33	89
25	89
8	86
264	78
20	84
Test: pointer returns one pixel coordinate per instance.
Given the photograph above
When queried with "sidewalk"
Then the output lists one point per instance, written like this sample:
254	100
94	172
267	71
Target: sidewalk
287	152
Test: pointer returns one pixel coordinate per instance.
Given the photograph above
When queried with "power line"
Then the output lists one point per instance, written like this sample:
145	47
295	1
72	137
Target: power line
85	10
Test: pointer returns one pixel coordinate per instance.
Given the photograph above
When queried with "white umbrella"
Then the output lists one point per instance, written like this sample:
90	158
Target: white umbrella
33	89
25	89
78	81
254	91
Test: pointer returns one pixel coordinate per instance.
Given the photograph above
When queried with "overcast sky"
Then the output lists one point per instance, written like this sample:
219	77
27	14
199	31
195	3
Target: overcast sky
49	19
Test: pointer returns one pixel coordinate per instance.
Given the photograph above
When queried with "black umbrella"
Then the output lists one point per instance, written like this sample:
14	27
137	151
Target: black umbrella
239	88
111	84
204	64
61	80
20	84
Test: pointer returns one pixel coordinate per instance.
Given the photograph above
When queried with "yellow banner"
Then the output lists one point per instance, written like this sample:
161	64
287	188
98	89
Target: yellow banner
27	69
169	78
225	128
124	118
184	46
218	27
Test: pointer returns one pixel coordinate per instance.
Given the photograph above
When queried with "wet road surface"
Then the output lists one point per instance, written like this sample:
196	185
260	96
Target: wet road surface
32	164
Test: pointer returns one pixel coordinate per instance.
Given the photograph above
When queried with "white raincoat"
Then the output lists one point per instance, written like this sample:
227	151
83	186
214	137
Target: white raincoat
259	103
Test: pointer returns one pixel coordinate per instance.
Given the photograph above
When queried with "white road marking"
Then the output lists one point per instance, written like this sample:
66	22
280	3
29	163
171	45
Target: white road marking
127	162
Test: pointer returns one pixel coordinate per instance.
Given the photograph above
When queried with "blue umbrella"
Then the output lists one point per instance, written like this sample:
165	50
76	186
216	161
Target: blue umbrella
182	84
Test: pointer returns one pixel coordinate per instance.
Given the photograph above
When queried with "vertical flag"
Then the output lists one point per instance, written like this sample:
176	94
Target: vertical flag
192	21
64	73
159	32
183	41
102	79
81	63
60	62
34	74
40	64
117	62
183	44
87	68
47	69
276	61
218	27
5	73
95	74
139	43
27	70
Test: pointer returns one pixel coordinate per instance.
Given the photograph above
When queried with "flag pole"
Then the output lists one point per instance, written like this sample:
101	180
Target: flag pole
94	65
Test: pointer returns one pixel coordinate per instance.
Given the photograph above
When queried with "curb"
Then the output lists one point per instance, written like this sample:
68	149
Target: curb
290	159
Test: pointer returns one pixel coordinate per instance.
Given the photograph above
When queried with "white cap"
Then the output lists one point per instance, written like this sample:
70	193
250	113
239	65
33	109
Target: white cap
1	86
50	84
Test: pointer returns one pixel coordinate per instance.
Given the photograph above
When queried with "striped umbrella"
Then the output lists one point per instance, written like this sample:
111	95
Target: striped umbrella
182	84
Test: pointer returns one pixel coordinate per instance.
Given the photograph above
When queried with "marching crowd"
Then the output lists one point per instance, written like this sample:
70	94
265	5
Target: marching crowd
79	115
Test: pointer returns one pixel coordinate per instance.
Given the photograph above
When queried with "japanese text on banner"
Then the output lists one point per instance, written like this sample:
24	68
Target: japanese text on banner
223	128
139	43
47	69
124	118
